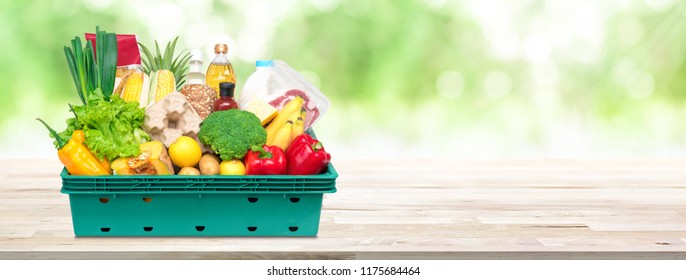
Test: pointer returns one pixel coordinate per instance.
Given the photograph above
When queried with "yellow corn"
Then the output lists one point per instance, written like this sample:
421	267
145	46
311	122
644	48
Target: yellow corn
166	84
133	87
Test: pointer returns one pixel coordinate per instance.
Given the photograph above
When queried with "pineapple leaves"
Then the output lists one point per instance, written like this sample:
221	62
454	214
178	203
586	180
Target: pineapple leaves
166	60
180	69
158	57
148	59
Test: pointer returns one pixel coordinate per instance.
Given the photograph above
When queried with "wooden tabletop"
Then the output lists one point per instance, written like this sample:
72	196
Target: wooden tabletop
405	209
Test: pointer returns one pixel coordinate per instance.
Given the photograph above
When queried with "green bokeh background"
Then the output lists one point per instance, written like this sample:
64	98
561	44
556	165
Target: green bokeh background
431	78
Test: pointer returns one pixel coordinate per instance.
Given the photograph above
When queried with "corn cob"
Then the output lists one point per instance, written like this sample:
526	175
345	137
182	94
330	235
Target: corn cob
165	84
133	87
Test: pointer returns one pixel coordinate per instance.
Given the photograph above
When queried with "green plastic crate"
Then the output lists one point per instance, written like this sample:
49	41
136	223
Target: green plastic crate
187	205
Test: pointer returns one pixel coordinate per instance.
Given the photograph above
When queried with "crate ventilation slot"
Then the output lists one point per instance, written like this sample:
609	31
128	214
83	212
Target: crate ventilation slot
147	228
147	199
252	228
199	228
252	199
293	229
295	199
104	200
105	229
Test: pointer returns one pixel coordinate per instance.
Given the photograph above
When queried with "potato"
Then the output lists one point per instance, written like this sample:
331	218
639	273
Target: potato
209	164
189	171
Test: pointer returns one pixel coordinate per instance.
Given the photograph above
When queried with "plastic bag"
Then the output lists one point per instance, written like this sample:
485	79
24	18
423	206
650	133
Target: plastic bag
276	83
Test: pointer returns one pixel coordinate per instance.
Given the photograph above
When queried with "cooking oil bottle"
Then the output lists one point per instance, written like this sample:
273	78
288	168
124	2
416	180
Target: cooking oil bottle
220	70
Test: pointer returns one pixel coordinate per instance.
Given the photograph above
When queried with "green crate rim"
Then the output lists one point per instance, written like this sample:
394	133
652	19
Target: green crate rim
142	184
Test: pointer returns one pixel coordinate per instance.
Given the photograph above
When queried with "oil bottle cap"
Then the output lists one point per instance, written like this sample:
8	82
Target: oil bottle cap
264	63
226	89
221	48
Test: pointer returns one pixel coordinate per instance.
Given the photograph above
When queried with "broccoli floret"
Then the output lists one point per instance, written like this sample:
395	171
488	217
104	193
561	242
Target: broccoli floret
231	133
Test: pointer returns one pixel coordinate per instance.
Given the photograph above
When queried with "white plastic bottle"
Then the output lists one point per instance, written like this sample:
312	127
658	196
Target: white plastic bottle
257	84
195	71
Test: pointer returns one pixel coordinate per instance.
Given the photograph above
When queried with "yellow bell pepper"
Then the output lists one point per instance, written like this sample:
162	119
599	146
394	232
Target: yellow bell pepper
76	157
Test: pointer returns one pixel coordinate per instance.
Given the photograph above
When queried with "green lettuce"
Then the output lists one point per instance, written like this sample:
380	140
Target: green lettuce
112	129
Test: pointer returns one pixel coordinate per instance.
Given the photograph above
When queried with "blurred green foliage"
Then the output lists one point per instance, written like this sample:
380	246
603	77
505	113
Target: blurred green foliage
555	75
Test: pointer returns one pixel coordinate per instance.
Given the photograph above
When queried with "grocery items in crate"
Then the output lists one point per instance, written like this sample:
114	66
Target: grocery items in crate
152	160
277	83
167	71
306	155
108	124
232	133
170	118
220	69
76	157
265	160
225	101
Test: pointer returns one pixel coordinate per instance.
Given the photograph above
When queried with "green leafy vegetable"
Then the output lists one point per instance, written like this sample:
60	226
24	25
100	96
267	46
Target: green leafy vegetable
112	129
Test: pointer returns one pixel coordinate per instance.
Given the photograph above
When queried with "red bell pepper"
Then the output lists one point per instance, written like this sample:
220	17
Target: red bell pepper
306	156
265	160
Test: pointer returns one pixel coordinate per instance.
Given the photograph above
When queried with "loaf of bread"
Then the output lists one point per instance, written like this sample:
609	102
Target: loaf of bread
201	97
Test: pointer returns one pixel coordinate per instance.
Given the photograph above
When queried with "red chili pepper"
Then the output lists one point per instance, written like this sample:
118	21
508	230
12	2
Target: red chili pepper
306	156
265	160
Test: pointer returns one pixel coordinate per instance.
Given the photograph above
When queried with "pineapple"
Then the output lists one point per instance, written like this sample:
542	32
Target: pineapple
167	73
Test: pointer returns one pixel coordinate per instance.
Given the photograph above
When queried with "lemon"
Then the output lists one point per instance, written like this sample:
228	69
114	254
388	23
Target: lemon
185	152
232	167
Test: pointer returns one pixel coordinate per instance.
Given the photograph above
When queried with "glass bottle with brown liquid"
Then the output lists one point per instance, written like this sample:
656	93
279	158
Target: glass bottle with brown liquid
220	70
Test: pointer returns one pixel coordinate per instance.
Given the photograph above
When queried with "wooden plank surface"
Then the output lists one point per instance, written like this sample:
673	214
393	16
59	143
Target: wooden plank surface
405	209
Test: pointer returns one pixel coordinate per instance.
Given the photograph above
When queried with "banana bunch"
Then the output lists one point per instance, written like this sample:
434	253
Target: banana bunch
288	124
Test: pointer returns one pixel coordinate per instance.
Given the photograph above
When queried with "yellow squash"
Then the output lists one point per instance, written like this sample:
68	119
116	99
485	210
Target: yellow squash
153	160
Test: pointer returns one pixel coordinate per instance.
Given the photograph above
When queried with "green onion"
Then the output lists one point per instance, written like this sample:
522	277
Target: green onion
93	72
